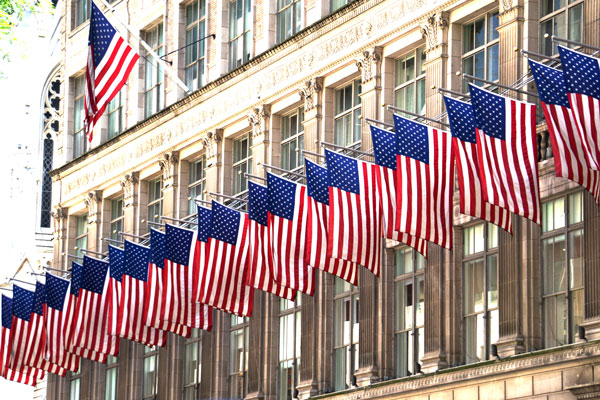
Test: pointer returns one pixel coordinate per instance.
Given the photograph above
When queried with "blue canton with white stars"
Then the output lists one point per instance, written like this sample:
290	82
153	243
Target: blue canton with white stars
204	218
282	196
101	34
76	271
342	172
462	120
7	304
489	110
93	274
137	260
550	84
56	290
157	247
225	223
384	147
116	257
39	298
316	182
258	201
411	139
582	72
178	244
22	303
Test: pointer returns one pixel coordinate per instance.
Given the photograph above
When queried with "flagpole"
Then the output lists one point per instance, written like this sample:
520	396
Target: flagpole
146	46
374	121
435	121
284	171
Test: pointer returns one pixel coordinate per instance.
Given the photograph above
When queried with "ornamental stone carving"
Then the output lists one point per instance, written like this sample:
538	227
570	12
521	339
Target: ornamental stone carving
168	165
258	120
93	203
211	144
310	93
129	184
434	30
59	216
369	64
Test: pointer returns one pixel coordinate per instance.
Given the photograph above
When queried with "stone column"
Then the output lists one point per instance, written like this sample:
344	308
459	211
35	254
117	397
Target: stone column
591	17
435	33
93	203
212	147
169	165
259	119
312	94
385	317
369	64
591	233
130	183
60	218
453	287
510	30
256	353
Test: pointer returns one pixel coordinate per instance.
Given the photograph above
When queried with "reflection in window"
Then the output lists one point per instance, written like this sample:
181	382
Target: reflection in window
81	231
79	139
292	138
480	49
116	218
242	163
154	94
240	39
114	110
197	185
562	18
347	114
195	53
154	200
409	93
289	18
345	314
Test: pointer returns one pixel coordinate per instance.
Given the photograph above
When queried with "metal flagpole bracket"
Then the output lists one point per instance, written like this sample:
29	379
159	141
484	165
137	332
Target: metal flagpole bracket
37	273
212	35
20	281
74	256
337	146
93	252
453	93
224	196
7	289
132	236
109	240
310	153
153	223
283	171
181	221
375	122
435	121
207	203
474	78
57	270
250	176
573	42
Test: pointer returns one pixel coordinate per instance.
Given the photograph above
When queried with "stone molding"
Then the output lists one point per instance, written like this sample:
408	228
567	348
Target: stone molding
59	216
211	143
258	120
168	165
129	183
369	64
433	30
93	202
310	93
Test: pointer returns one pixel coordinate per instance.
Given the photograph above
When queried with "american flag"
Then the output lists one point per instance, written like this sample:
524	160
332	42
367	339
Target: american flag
582	80
27	375
226	267
315	253
464	144
287	218
116	257
261	275
570	157
178	304
131	306
507	152
425	165
91	324
199	278
55	323
384	148
153	291
355	224
110	60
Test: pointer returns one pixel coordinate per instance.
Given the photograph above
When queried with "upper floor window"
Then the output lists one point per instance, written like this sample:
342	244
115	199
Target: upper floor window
150	375
116	218
292	138
81	231
337	4
197	185
409	310
480	285
79	139
480	49
242	163
81	12
347	114
238	357
192	374
562	18
240	39
289	18
409	93
154	91
289	346
75	385
46	198
562	268
195	53
112	365
154	200
115	113
345	328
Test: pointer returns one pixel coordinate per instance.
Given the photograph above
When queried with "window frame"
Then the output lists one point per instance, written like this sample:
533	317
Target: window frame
285	311
193	184
200	61
156	91
116	221
114	109
78	17
75	377
488	44
296	26
155	201
245	36
550	17
417	53
81	236
112	366
239	324
297	137
79	112
150	352
240	182
355	111
194	340
352	349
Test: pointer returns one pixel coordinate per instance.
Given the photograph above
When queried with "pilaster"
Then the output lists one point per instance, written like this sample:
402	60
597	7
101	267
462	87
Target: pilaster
60	218
130	184
212	147
256	354
591	233
259	119
435	32
312	94
93	203
453	286
385	317
591	15
369	64
510	30
169	166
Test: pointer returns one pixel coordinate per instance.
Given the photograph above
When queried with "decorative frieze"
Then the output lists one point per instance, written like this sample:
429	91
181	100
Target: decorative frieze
434	30
93	203
129	184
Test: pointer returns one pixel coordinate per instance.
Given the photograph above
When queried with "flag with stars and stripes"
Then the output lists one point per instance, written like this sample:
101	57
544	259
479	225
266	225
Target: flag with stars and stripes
109	63
384	149
315	253
260	274
287	218
55	323
570	156
507	152
131	305
91	325
154	289
179	304
582	80
355	224
424	181
116	261
464	143
226	265
199	277
26	375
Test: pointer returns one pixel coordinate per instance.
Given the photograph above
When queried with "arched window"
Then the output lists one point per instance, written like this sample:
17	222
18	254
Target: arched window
50	128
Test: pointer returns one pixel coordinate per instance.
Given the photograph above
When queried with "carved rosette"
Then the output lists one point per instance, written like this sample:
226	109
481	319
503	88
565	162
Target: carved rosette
93	203
129	184
259	119
369	64
435	29
211	145
311	92
168	165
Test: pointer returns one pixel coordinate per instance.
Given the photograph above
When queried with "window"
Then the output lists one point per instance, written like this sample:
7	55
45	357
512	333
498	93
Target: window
116	218
82	11
79	140
111	378
409	310
347	114
292	137
238	357
345	328
289	346
46	199
337	4
240	19
115	115
195	31
150	376
154	200
562	268
75	385
81	234
197	185
480	49
480	284
154	95
242	163
289	18
562	18
409	93
193	366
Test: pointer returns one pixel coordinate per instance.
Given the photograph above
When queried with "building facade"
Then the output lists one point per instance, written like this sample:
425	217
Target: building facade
500	316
